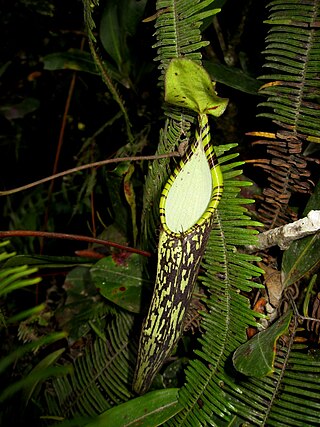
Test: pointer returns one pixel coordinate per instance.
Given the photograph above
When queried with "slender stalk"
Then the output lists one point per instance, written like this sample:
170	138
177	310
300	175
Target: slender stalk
46	234
87	166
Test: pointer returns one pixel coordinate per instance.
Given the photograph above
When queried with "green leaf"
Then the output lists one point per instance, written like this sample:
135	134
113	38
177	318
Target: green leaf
255	358
131	14
150	410
73	59
82	303
32	380
303	256
111	34
20	351
47	261
33	311
188	85
119	279
18	111
213	7
15	278
38	374
78	60
232	77
120	19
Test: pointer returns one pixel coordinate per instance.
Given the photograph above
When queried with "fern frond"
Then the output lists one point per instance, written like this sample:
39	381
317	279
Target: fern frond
287	397
4	255
298	379
227	272
178	34
293	52
178	29
101	378
292	91
13	278
89	6
16	277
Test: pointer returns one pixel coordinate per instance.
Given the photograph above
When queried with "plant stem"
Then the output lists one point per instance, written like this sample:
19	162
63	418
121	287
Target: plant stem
87	166
46	234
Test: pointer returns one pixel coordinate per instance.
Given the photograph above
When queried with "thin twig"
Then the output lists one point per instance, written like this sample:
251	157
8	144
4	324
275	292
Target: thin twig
63	126
59	146
87	166
46	234
296	311
283	236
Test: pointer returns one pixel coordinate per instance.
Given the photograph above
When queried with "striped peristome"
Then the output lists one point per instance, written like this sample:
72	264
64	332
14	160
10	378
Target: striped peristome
180	251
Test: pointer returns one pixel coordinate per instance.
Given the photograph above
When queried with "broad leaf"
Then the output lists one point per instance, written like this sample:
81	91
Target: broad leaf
73	59
42	371
119	279
255	358
303	255
78	60
232	77
120	19
21	351
150	410
18	111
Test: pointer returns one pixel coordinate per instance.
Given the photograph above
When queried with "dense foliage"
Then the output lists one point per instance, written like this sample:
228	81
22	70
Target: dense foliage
82	82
